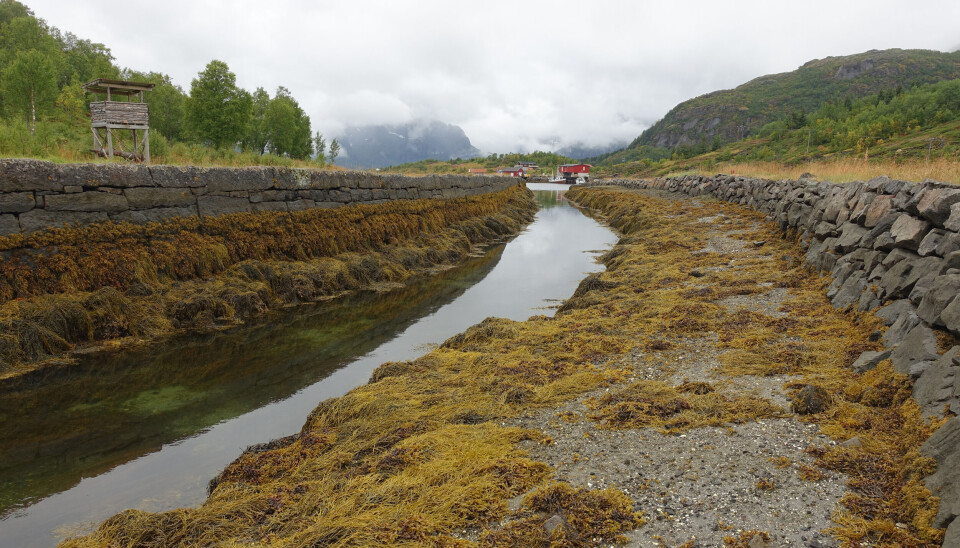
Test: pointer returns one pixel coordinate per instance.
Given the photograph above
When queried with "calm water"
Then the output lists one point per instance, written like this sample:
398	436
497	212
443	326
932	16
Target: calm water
148	428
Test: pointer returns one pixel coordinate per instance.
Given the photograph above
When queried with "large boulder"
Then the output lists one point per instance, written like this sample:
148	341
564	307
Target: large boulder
935	204
943	291
944	448
919	345
938	388
908	231
903	324
878	209
949	317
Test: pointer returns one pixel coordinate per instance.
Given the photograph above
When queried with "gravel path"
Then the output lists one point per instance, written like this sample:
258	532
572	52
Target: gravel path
706	484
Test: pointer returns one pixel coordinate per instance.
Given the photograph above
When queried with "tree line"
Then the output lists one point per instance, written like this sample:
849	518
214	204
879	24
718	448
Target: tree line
44	108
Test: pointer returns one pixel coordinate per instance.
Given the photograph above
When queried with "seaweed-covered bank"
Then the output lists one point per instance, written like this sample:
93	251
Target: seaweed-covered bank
133	279
705	335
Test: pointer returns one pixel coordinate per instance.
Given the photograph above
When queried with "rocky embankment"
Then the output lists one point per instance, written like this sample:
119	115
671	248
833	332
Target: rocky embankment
892	247
696	393
192	248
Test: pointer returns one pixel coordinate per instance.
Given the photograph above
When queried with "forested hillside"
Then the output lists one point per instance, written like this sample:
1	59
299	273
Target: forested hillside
895	130
44	109
709	121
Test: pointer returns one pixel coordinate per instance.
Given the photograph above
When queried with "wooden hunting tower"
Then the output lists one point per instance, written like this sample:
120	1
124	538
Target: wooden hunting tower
109	115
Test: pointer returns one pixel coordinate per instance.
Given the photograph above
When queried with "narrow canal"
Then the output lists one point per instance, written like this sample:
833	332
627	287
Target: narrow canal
149	428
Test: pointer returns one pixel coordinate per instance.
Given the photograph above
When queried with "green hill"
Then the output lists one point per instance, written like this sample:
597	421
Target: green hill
892	128
725	116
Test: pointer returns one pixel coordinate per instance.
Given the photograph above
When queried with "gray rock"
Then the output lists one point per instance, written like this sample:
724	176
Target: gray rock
892	281
850	237
943	291
917	369
9	225
151	197
833	207
869	360
952	537
936	389
919	345
301	205
143	216
178	176
280	195
809	400
552	524
880	207
951	260
953	222
824	230
26	175
852	443
944	448
17	202
871	259
904	323
900	280
883	241
850	291
931	241
811	259
270	206
927	271
211	206
908	231
898	255
859	210
36	220
94	201
949	244
936	203
949	316
868	300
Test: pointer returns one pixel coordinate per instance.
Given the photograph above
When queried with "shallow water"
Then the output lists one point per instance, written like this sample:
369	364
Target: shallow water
148	428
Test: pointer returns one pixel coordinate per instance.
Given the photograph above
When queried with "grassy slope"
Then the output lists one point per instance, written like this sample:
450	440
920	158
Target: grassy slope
904	157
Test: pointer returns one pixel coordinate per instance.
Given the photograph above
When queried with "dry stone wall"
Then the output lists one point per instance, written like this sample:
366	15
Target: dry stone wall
35	195
890	246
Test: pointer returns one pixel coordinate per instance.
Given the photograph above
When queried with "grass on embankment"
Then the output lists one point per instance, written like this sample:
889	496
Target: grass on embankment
421	456
839	171
67	287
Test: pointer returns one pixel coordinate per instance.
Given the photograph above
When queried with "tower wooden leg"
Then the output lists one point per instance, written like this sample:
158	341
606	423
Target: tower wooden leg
146	146
109	144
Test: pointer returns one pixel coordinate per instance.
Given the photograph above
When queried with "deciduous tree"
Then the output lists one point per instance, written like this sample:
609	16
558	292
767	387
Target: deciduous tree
30	85
320	145
334	150
256	138
218	111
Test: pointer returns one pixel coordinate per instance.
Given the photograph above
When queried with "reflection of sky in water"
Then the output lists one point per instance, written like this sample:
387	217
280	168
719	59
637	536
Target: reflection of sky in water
545	262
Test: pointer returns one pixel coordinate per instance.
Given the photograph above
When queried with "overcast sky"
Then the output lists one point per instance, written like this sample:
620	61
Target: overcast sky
516	75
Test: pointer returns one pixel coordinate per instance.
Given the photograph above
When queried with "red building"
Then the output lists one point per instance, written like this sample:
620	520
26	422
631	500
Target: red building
515	171
573	172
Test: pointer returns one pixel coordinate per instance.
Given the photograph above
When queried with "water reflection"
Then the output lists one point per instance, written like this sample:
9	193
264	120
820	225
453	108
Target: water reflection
110	408
118	408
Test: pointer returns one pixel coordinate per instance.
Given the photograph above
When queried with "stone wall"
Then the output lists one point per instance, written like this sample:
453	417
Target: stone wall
35	195
892	247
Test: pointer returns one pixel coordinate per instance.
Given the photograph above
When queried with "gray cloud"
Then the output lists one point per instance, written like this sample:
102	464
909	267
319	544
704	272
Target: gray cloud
514	74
